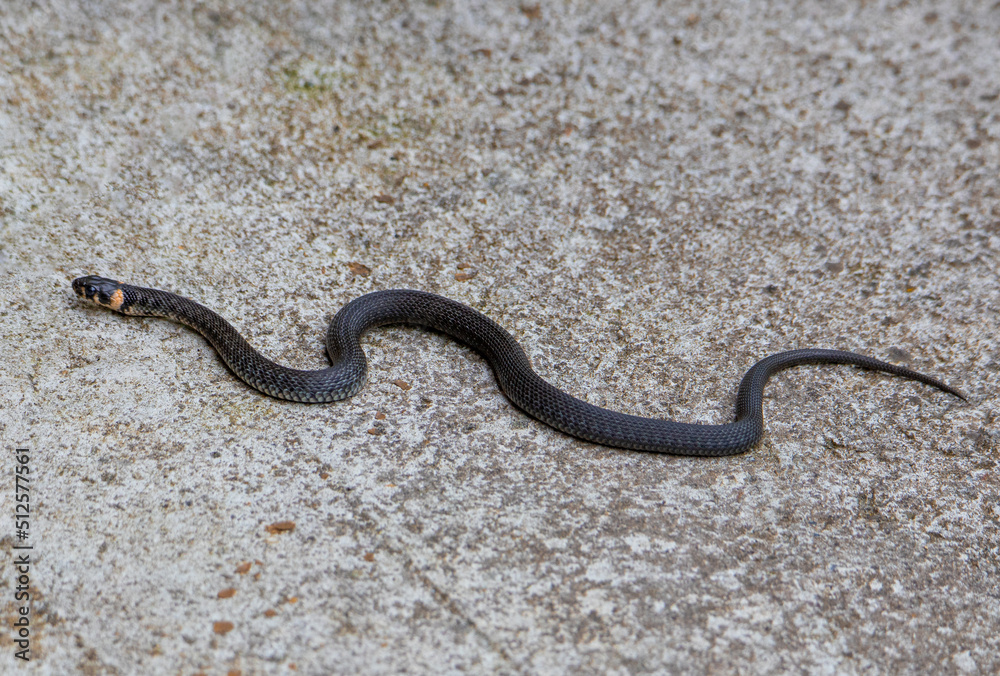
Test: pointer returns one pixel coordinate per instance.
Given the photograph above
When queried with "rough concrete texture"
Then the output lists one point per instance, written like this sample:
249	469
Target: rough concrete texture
649	195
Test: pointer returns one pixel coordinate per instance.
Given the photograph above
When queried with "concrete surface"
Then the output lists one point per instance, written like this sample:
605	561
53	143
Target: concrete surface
649	195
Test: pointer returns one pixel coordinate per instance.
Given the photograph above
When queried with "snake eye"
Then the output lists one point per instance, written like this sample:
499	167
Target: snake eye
91	291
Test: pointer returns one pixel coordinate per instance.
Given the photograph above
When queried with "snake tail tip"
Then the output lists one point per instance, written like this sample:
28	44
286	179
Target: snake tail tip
955	392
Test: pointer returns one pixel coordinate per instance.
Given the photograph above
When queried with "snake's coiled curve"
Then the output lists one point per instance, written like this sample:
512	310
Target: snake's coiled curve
514	374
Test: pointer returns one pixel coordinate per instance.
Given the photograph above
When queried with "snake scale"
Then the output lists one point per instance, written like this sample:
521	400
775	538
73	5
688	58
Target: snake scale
518	381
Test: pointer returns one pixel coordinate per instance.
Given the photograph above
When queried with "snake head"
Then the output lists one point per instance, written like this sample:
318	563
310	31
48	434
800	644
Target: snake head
105	292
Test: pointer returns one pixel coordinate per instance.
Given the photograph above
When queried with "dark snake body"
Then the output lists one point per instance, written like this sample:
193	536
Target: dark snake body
513	371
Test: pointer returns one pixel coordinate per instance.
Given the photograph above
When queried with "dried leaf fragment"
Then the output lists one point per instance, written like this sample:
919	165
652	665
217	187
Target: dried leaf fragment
532	12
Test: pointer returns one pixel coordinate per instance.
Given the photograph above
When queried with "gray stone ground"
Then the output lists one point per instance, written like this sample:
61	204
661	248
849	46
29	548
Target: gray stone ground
650	196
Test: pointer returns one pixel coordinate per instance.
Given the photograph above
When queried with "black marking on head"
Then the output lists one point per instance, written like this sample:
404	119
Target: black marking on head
103	291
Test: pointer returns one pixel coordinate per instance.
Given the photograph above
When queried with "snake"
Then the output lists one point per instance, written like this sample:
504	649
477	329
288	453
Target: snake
516	378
